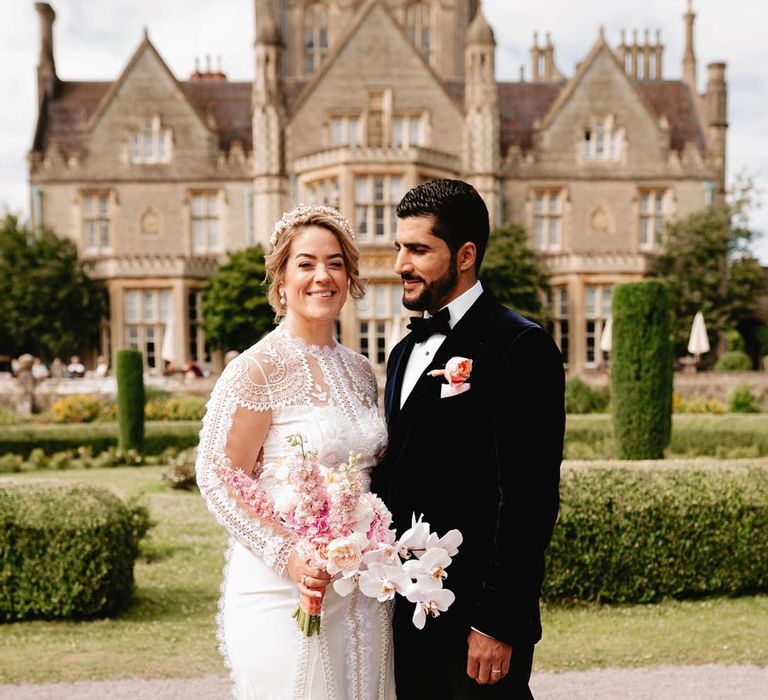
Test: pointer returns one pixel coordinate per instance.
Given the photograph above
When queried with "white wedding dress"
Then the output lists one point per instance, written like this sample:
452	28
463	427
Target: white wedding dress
328	395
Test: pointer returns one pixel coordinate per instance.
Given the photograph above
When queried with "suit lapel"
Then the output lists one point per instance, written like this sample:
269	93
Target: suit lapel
462	341
395	385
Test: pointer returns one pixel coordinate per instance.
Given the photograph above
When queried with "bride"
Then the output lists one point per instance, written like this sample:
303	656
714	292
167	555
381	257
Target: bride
297	379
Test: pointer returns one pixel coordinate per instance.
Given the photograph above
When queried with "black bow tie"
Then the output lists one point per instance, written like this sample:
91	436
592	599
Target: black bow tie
423	328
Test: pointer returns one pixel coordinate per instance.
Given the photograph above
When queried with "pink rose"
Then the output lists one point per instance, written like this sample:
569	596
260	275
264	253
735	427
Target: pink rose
457	370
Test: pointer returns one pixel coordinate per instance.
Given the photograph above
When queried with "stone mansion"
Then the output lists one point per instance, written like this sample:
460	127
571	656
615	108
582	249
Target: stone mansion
353	102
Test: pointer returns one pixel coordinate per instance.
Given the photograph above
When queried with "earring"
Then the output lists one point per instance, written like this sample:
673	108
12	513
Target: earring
282	298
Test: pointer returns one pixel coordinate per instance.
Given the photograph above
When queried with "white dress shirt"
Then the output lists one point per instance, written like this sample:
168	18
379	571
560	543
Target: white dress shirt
423	352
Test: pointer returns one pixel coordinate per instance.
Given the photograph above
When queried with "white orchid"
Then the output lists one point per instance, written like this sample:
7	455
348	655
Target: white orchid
450	541
414	539
432	565
382	582
383	555
347	583
429	599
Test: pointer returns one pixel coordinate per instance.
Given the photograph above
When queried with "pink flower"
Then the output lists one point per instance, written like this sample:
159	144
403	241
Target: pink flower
457	370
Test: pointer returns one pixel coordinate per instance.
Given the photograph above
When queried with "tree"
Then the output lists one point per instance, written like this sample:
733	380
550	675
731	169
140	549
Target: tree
236	312
515	275
49	307
641	372
707	266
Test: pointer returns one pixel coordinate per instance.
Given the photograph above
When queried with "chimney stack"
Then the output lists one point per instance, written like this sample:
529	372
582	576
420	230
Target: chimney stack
689	57
46	65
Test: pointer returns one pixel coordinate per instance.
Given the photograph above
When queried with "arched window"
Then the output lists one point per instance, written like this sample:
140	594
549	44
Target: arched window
418	24
315	36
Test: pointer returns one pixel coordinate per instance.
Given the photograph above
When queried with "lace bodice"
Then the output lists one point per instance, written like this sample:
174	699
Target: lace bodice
328	394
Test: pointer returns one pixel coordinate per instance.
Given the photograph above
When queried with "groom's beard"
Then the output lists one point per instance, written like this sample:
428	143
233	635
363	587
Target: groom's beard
432	295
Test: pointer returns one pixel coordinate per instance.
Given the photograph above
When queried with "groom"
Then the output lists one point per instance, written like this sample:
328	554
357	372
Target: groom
483	456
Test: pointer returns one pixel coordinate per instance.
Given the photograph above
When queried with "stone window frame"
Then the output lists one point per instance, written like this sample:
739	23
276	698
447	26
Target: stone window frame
346	130
376	212
205	215
102	220
144	330
595	317
419	22
151	133
323	190
414	135
543	218
601	140
560	309
651	222
381	319
315	35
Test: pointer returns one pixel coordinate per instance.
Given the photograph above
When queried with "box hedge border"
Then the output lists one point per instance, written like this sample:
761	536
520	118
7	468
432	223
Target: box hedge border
654	530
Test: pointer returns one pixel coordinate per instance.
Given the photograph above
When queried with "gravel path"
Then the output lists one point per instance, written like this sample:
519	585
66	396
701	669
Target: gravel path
710	682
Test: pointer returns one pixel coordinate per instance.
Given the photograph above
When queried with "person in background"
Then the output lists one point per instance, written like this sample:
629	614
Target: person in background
75	368
102	366
58	370
39	369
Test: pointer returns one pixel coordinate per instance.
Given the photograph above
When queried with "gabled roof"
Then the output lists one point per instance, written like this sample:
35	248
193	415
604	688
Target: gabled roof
345	39
145	46
600	47
674	100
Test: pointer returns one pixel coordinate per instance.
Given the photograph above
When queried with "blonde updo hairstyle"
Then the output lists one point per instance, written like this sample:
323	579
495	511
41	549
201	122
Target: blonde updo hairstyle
288	229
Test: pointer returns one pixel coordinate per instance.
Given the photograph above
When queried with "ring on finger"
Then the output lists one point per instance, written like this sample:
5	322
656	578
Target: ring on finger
303	579
495	670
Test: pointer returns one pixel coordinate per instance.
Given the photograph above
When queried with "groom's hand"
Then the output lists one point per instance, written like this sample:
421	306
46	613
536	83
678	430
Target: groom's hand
488	659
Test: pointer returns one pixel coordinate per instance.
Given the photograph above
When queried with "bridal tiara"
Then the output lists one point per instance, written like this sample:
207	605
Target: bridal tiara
304	213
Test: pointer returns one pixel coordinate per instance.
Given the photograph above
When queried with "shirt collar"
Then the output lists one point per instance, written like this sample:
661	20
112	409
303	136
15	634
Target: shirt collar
462	303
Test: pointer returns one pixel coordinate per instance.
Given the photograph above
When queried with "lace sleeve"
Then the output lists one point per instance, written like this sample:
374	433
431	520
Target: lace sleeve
236	390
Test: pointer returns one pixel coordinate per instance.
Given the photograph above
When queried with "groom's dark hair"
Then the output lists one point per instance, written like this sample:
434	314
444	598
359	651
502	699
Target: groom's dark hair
460	213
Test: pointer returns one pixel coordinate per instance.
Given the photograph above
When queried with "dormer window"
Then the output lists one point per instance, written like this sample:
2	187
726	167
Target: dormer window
601	140
345	130
152	143
315	36
407	131
417	23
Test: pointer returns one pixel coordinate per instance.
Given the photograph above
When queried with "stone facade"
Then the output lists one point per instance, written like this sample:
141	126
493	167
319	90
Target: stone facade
352	103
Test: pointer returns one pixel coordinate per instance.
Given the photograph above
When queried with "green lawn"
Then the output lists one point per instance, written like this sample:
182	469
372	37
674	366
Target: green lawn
169	631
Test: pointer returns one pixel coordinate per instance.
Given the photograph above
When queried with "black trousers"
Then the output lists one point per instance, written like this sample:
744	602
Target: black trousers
422	674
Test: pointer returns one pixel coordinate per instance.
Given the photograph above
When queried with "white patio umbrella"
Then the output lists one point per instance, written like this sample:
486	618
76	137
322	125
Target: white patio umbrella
167	351
698	343
606	338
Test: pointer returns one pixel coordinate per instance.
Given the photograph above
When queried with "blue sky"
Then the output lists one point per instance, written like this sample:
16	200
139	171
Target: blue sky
94	39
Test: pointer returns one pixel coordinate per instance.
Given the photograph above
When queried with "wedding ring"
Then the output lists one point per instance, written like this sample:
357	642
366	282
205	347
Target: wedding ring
495	670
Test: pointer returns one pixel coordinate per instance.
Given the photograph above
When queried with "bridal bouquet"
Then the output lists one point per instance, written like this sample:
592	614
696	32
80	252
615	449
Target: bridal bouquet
347	531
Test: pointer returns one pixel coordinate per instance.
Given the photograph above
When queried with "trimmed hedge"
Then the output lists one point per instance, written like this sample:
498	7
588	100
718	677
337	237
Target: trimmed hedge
728	436
637	534
641	372
22	439
130	399
66	551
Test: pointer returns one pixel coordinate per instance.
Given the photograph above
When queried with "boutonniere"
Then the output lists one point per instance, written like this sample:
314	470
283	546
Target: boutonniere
456	374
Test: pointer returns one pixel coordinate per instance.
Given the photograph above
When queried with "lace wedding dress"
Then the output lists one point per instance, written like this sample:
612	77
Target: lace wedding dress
328	394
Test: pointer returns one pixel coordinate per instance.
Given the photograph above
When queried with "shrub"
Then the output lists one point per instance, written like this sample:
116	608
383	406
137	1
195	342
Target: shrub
696	404
180	473
130	399
66	551
22	439
637	534
8	416
734	340
176	408
743	400
734	361
641	374
78	408
580	397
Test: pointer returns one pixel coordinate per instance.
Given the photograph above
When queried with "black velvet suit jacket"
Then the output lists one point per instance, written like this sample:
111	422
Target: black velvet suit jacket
486	462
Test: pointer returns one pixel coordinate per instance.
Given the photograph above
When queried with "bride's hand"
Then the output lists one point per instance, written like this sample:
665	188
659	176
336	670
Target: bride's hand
310	581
